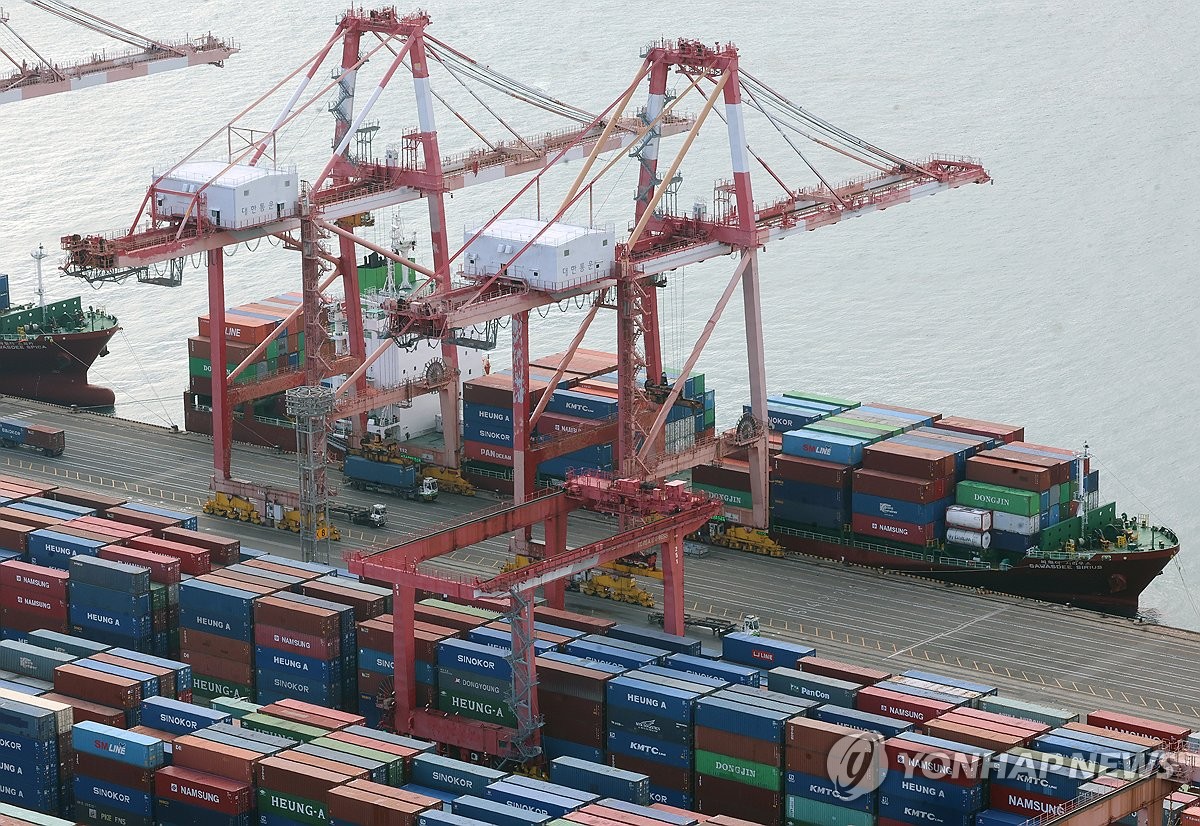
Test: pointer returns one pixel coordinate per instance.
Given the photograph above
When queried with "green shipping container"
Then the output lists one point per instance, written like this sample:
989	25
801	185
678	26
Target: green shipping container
853	431
698	386
394	763
291	808
801	811
878	427
1027	711
470	610
813	397
759	775
996	498
202	368
1103	515
1065	492
733	498
476	707
235	707
267	724
206	688
710	419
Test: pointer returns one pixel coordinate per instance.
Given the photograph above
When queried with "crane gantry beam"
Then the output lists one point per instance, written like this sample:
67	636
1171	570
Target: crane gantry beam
143	57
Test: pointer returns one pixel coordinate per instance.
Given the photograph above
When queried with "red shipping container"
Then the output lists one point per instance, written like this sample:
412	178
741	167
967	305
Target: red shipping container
69	529
106	529
569	619
1008	474
209	757
1005	432
164	569
841	671
153	521
229	670
222	549
90	712
728	476
110	771
716	795
50	583
904	460
447	617
305	645
1060	469
904	488
1023	734
923	762
1015	723
366	606
925	413
14	536
106	689
302	712
254	583
21	621
973	735
34	520
350	805
492	454
280	774
723	820
241	328
1022	802
377	634
166	676
1164	732
1123	736
737	745
902	706
209	791
218	577
322	764
1190	816
377	745
660	774
281	568
809	471
495	390
893	529
24	602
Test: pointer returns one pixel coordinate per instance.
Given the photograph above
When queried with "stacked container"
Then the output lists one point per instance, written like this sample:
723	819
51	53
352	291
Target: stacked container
571	698
605	781
739	751
114	774
165	576
216	635
934	780
298	652
111	603
907	473
819	786
650	732
36	770
32	597
362	802
186	797
54	549
763	652
475	681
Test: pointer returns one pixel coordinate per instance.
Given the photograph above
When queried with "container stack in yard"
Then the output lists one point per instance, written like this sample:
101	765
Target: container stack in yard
576	404
639	726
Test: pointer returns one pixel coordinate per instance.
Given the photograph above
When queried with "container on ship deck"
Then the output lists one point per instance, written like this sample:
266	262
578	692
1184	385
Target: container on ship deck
809	471
1004	432
906	488
1010	474
895	530
905	460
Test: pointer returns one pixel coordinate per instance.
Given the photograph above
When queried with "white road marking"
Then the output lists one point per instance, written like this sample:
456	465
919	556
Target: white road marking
946	633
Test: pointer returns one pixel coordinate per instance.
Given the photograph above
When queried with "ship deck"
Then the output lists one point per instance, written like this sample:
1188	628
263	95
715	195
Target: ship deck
1036	651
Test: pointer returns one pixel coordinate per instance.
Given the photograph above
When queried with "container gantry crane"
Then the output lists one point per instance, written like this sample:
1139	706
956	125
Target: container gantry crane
349	186
32	75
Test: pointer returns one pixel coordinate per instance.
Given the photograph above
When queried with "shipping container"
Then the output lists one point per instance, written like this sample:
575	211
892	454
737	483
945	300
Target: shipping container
763	652
812	686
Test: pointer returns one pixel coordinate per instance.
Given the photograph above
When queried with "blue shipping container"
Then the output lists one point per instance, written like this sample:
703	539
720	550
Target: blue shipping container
648	748
654	638
117	744
605	781
450	775
668	703
917	810
463	655
489	811
741	718
762	652
819	788
827	447
726	672
531	800
649	723
608	654
865	721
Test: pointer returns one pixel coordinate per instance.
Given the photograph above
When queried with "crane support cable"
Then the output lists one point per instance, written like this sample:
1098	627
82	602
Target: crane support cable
498	84
796	149
507	84
45	63
481	102
99	25
829	127
850	147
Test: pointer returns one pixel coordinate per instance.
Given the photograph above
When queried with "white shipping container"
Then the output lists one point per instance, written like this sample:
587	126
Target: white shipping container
972	539
973	519
1011	523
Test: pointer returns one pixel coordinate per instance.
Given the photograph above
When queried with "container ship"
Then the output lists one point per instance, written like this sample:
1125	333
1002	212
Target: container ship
46	350
151	673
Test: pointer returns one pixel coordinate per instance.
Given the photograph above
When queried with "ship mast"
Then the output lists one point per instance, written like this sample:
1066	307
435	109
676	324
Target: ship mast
37	256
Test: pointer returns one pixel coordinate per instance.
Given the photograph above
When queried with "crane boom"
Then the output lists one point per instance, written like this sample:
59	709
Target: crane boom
145	56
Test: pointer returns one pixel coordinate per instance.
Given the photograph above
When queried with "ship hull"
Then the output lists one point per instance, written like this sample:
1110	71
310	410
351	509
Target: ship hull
1108	582
54	368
